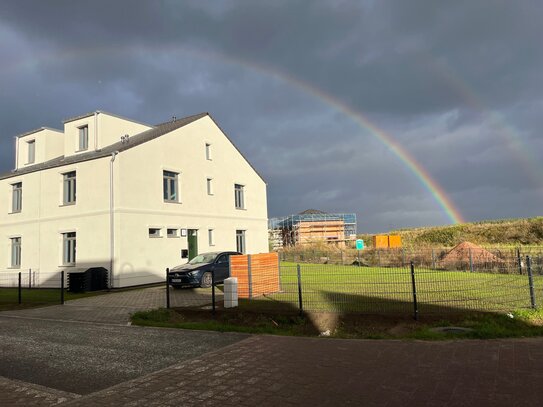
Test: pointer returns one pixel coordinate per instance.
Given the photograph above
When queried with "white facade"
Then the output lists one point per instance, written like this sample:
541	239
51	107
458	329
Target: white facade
122	198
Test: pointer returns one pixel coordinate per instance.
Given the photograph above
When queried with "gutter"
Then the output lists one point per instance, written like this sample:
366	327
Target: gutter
111	220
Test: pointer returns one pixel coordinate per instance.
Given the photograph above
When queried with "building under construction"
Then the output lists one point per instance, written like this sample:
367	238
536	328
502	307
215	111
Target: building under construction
312	226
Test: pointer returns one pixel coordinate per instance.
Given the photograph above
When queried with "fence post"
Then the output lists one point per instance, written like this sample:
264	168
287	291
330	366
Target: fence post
470	261
29	279
213	291
403	256
300	303
249	276
62	287
433	260
279	272
530	281
519	261
167	288
20	289
379	256
414	287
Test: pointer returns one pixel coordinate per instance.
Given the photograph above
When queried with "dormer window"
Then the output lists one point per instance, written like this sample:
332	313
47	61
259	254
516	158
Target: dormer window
83	138
31	151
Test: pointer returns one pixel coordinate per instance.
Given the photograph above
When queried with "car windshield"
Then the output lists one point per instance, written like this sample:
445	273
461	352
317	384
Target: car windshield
203	258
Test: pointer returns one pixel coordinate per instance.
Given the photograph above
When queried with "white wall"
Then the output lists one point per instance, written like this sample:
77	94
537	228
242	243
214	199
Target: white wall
139	205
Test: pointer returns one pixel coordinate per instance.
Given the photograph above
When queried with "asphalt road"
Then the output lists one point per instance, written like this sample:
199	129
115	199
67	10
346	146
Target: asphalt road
85	357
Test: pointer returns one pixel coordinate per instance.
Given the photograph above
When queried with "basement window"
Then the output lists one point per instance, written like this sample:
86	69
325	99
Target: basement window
173	233
154	232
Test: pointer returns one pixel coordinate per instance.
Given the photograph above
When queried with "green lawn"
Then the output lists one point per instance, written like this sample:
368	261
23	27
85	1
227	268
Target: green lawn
389	290
36	297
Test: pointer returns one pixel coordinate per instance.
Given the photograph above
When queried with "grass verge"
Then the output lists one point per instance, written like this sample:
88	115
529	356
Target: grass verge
524	323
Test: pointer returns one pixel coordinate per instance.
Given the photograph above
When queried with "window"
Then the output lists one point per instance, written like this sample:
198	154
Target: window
173	232
211	237
15	252
208	151
31	151
83	138
69	184
210	186
240	241
238	196
154	232
223	258
68	249
17	197
170	186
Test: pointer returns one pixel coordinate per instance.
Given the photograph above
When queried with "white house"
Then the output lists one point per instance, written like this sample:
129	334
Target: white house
130	197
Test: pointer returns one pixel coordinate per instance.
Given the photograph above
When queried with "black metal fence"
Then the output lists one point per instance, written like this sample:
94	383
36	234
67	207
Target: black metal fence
467	258
31	288
413	288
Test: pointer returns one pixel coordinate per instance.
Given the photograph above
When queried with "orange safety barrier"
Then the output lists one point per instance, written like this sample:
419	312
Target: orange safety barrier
257	274
394	241
380	241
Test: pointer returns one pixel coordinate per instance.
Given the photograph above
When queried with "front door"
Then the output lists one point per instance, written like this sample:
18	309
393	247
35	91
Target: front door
192	243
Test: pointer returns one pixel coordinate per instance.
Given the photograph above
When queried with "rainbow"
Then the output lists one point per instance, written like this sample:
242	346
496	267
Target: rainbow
421	174
524	156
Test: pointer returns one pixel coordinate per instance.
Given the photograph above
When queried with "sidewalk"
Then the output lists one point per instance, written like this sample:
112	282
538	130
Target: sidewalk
272	371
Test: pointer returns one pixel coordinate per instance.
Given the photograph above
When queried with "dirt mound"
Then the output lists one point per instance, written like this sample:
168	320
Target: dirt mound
462	253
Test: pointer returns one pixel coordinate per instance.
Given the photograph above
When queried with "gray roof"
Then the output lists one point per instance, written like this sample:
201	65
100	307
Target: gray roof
82	116
26	133
135	140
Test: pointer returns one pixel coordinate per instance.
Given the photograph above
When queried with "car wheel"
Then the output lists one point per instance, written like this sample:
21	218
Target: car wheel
205	282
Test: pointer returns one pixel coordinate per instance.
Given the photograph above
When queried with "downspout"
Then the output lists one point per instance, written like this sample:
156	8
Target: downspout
111	220
96	131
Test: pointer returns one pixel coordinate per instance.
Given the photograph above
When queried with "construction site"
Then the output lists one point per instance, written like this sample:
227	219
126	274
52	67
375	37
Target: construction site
312	226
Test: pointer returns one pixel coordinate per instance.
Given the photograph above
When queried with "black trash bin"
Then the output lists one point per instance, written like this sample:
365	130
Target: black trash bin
93	279
77	282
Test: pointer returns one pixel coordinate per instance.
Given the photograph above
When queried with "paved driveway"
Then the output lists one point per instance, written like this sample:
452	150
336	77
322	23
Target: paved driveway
116	307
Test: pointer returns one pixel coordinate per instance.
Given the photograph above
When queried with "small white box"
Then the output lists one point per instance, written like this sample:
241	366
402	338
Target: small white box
231	292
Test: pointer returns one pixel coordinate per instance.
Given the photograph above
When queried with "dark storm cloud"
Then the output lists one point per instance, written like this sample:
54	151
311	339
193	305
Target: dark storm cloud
458	84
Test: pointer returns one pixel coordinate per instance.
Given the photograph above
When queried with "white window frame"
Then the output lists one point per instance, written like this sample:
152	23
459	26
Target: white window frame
16	197
239	196
31	149
240	241
209	156
154	235
69	248
83	137
69	188
170	179
211	237
209	185
16	251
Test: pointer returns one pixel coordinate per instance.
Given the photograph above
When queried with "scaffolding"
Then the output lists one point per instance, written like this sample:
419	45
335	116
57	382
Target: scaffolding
306	228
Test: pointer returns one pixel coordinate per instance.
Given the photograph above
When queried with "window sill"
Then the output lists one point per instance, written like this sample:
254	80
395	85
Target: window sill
66	204
67	265
241	209
155	237
173	202
82	151
14	213
14	268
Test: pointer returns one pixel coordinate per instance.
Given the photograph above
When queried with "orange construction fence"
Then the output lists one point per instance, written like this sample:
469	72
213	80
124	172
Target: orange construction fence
387	241
257	274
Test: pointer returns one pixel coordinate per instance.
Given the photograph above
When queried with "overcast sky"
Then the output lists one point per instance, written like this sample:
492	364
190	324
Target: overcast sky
457	84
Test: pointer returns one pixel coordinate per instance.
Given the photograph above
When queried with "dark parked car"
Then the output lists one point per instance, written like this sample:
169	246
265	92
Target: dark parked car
197	272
